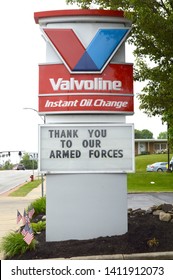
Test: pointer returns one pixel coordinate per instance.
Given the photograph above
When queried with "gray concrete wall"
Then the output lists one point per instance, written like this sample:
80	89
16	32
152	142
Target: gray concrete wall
85	206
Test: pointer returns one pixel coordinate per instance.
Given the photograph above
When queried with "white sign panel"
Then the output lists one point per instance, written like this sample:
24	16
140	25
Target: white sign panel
90	148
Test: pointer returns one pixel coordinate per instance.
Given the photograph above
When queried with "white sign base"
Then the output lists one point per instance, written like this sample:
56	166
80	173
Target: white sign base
85	206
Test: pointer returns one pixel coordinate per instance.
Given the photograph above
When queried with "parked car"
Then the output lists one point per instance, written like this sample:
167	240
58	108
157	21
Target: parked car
19	167
157	166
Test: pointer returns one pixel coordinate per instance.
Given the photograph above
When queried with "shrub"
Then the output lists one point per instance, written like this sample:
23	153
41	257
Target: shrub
13	244
38	227
39	206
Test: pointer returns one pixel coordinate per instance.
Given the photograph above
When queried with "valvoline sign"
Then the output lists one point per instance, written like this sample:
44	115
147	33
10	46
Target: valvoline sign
95	56
116	79
83	66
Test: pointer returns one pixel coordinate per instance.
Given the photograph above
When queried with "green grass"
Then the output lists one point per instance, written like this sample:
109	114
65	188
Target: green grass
142	161
13	244
142	181
150	182
26	188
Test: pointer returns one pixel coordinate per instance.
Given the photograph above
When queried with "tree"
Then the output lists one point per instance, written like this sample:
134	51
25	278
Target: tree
137	134
7	165
152	37
28	163
163	135
143	134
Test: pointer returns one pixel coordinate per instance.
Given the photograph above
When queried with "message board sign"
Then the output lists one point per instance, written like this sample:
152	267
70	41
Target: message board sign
89	148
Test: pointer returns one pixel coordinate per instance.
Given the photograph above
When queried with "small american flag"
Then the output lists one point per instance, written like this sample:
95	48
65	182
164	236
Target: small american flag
29	236
31	213
25	229
25	218
19	216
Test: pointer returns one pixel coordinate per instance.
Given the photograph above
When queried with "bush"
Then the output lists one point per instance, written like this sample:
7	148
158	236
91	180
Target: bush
38	227
13	244
39	206
145	153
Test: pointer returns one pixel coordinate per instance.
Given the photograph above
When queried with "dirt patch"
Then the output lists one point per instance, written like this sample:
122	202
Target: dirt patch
146	233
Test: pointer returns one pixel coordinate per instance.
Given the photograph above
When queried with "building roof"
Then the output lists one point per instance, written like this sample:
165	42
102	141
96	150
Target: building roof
151	140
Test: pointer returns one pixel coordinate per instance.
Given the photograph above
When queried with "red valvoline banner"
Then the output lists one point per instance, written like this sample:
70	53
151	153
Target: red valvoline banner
110	91
116	78
90	103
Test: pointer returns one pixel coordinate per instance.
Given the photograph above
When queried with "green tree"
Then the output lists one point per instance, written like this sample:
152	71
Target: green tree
7	165
152	36
143	134
27	162
163	135
137	134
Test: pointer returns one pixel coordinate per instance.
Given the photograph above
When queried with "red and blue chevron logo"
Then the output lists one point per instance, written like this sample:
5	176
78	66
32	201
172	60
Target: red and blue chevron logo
91	59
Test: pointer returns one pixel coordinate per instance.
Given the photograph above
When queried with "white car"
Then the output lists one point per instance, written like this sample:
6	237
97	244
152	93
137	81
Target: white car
157	166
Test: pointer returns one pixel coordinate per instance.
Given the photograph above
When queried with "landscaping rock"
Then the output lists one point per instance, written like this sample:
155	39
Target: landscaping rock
167	207
149	211
157	212
165	217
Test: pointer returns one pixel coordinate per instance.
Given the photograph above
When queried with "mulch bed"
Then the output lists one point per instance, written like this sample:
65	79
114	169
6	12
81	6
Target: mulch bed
146	233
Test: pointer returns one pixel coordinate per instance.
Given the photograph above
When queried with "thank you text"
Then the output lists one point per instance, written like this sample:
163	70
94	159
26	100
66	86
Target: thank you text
85	148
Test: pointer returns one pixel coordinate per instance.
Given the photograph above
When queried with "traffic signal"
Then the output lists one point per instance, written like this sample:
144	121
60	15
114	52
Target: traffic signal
20	153
9	154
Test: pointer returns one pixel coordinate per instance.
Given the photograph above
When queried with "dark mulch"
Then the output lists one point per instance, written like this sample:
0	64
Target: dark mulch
145	234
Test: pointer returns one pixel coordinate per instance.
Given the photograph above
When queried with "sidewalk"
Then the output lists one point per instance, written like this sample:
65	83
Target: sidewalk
8	210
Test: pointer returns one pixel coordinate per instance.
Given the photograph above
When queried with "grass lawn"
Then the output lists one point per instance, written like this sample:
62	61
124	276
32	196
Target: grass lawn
26	188
142	181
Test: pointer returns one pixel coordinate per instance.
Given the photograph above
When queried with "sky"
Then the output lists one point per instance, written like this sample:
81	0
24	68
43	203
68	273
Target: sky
21	50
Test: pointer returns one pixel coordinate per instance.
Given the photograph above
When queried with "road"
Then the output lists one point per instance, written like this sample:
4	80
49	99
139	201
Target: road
9	179
146	200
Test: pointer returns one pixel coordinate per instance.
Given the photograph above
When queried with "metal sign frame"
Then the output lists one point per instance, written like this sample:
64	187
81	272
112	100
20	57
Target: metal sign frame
104	157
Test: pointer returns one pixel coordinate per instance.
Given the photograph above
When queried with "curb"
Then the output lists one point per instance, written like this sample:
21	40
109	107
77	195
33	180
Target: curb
137	256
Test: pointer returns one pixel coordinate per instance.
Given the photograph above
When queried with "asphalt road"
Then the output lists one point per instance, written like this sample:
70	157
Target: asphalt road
146	200
9	179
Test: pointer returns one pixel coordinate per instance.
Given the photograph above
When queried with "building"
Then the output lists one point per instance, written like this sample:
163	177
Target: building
151	146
